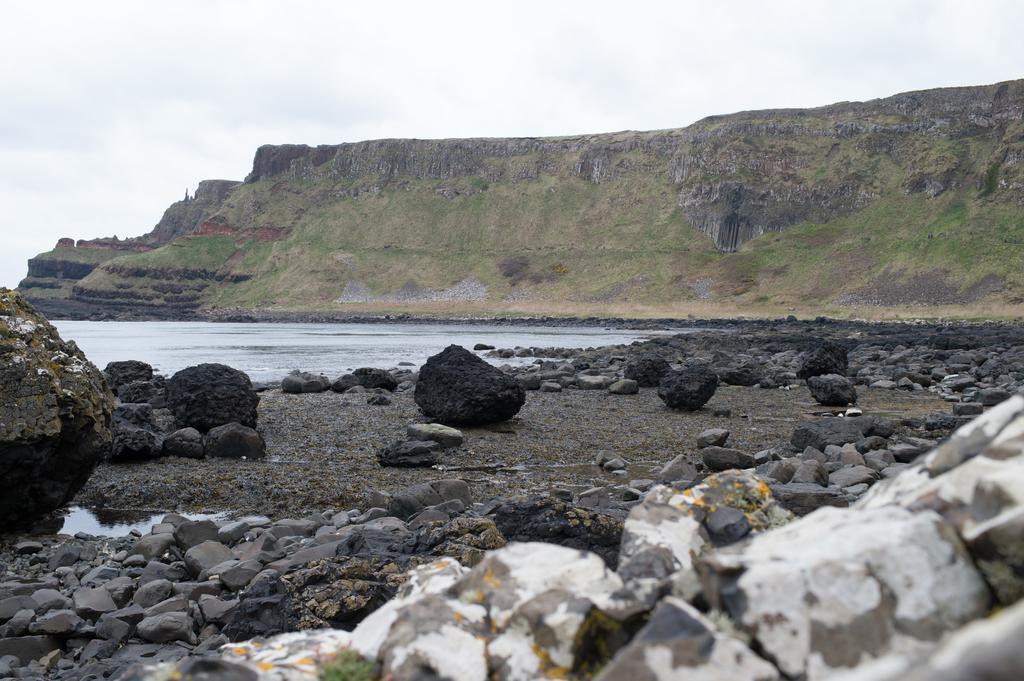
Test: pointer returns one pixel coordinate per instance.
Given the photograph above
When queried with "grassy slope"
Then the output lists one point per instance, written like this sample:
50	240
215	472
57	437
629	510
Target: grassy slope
89	255
624	246
580	237
962	238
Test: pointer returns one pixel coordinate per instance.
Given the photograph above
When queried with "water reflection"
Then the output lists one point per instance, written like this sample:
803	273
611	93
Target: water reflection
112	522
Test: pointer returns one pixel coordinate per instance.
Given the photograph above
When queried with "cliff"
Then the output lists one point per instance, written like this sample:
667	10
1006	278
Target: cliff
915	199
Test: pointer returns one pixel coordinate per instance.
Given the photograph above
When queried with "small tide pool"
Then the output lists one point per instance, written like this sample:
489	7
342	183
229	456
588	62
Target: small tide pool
108	522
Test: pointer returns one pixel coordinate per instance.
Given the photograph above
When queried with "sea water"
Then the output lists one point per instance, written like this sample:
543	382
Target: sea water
268	351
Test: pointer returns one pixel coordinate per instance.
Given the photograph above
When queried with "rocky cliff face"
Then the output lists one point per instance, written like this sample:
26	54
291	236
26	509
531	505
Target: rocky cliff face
737	176
183	217
52	281
884	194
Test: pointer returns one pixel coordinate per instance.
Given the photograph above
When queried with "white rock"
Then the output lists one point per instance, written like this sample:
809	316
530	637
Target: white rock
287	657
840	587
988	649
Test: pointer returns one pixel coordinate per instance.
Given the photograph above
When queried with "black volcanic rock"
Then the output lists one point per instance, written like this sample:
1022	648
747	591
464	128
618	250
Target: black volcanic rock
371	378
458	388
55	412
820	358
551	520
235	441
135	433
832	390
647	369
410	454
128	371
689	388
211	395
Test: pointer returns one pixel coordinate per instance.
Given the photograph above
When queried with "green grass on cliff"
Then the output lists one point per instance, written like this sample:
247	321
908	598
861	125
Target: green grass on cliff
86	255
200	252
580	239
569	244
954	237
586	244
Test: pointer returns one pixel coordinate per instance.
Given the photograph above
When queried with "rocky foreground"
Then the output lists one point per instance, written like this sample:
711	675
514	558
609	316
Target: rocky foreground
782	503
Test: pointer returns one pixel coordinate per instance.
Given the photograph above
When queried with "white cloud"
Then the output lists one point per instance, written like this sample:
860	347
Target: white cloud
111	109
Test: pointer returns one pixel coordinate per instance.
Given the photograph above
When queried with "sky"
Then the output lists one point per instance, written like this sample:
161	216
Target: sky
109	111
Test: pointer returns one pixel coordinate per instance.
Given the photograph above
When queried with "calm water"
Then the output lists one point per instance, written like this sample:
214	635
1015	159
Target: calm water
270	351
101	522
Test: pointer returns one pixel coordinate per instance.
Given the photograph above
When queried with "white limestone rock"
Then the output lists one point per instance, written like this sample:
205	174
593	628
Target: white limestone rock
840	587
976	481
665	533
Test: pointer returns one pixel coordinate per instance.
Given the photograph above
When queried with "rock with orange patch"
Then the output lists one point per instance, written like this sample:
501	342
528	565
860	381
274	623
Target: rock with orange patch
665	533
527	611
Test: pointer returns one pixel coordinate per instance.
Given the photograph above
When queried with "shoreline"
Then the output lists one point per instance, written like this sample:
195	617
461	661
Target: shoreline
618	323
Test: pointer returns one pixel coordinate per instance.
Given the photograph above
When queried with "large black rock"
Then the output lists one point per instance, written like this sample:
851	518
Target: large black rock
456	387
832	390
647	369
820	358
211	395
125	372
410	454
235	441
744	374
136	434
149	392
689	388
371	378
55	412
829	431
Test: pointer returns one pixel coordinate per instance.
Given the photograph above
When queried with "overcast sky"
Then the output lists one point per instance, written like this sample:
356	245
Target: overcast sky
110	110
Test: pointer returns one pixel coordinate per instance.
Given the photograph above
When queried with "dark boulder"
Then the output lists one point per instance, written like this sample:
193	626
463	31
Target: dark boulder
802	498
371	378
210	395
456	387
941	421
411	500
136	434
234	441
304	382
55	412
410	454
746	375
689	388
647	370
820	358
343	383
547	519
262	609
723	459
128	371
832	390
148	392
829	431
186	442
